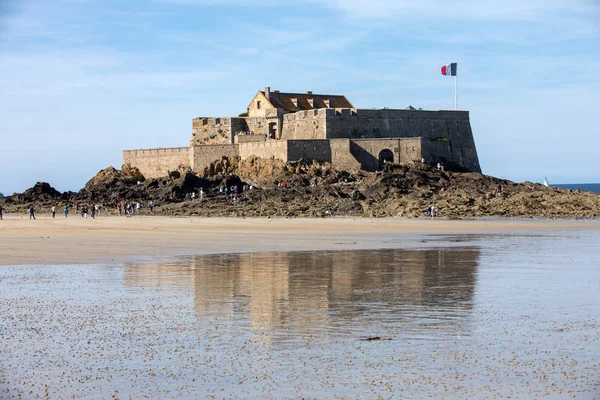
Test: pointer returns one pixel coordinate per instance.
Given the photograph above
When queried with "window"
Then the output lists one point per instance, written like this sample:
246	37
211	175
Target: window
258	104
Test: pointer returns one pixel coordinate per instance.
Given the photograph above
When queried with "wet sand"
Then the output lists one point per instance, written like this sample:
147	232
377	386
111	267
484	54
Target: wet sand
490	316
75	240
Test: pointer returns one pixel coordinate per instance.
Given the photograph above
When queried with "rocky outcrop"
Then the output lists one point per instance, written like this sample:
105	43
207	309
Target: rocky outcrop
318	189
110	177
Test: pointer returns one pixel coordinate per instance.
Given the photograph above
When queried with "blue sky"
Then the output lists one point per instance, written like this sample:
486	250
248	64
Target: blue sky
81	80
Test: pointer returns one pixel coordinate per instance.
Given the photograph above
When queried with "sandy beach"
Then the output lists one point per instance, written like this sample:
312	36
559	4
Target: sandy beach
112	239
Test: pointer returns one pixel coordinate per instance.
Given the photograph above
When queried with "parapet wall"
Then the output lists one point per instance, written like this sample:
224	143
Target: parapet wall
370	152
336	152
156	163
202	156
317	149
206	131
271	148
305	125
258	125
249	138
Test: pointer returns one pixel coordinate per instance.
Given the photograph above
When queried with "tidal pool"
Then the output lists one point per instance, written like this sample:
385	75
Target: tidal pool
464	317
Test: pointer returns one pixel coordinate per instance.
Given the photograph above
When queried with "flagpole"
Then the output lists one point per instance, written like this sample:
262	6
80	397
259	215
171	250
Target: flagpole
456	88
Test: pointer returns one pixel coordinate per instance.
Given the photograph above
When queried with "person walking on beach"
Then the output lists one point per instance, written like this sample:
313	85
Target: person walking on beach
84	211
201	195
0	213
53	211
151	207
66	210
93	212
31	212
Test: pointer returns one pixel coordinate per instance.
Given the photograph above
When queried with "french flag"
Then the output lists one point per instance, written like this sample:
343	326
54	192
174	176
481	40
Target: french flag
449	69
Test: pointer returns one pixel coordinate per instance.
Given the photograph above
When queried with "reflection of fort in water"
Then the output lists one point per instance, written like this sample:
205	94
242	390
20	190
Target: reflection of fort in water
308	290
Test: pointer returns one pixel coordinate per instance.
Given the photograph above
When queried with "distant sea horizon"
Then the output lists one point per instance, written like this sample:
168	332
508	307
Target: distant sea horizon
587	187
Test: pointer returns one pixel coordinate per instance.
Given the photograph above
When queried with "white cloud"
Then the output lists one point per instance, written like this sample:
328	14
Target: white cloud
424	9
460	9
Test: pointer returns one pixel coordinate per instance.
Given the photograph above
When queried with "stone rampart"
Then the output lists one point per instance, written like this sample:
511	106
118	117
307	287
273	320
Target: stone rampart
318	149
411	149
258	125
206	131
155	163
341	156
249	138
202	156
440	150
367	152
451	127
371	153
306	125
336	152
271	148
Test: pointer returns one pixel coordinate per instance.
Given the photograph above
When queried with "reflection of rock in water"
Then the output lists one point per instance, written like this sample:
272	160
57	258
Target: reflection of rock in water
304	291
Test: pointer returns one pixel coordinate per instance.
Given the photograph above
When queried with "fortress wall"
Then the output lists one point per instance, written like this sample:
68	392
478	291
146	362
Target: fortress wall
435	151
411	149
336	152
271	148
258	125
305	125
202	156
366	151
215	130
249	138
454	126
341	156
156	163
318	149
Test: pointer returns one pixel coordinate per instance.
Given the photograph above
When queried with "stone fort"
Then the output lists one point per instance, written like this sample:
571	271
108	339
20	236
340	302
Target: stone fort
294	126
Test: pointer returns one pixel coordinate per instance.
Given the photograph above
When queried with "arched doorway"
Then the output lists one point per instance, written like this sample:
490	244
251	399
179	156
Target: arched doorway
385	156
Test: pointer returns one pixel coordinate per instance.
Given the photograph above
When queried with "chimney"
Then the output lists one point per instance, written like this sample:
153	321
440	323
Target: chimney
309	92
268	92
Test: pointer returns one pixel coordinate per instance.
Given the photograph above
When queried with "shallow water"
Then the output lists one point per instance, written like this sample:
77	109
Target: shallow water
467	317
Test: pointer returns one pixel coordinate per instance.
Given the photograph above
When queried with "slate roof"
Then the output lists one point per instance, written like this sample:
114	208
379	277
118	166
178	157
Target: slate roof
303	101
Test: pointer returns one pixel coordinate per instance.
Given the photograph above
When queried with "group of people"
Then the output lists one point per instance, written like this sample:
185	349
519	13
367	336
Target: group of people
84	210
285	184
440	165
192	195
432	212
233	191
131	208
241	133
91	210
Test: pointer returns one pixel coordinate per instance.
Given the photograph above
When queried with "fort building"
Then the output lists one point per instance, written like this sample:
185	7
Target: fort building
294	126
